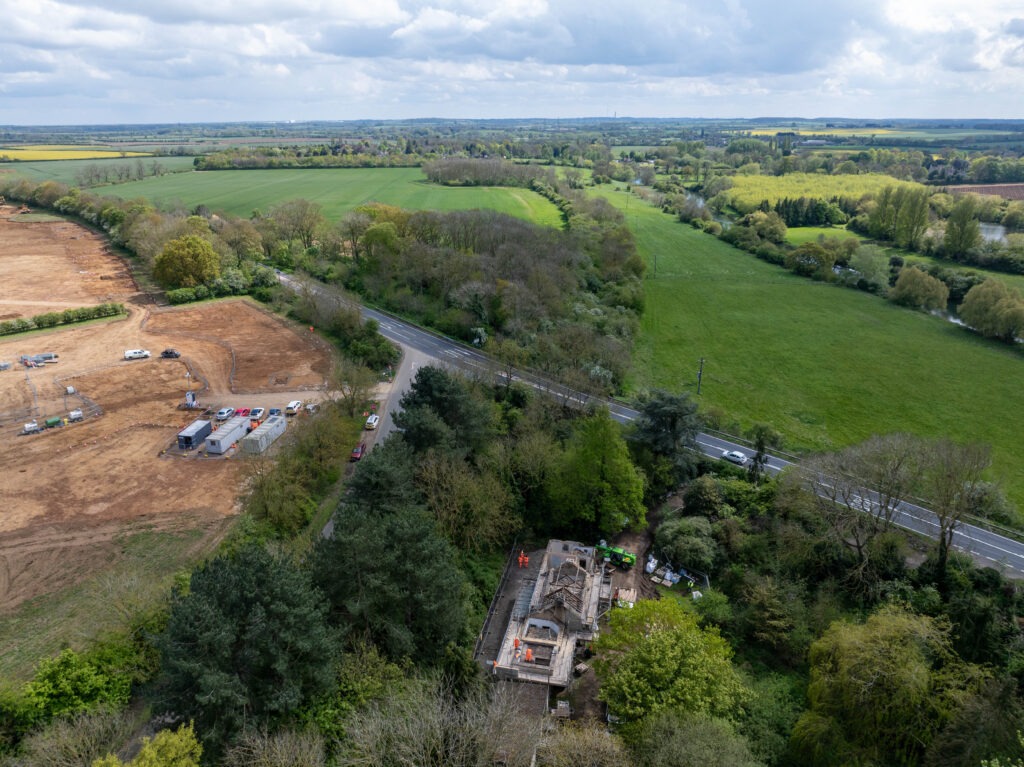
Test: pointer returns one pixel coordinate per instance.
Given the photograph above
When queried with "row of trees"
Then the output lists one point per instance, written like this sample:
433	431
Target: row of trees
66	317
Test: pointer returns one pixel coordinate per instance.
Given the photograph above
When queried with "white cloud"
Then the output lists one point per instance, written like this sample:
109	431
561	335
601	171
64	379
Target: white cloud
193	60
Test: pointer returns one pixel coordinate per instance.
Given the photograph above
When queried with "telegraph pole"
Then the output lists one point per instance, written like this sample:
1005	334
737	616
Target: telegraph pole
700	374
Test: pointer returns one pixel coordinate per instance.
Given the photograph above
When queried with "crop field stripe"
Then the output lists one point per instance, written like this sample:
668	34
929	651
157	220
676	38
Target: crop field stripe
66	171
827	366
337	190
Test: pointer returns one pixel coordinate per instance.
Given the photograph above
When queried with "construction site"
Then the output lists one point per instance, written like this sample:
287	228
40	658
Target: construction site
94	469
548	608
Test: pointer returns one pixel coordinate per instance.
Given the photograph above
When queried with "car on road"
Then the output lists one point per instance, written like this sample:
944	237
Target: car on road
170	354
257	413
735	456
242	411
293	407
225	413
358	452
372	422
274	411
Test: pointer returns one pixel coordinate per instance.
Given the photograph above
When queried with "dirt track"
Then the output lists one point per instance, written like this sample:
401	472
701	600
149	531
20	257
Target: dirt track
68	493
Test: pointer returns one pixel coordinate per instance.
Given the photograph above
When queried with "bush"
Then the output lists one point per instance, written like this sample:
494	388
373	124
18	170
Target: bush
181	295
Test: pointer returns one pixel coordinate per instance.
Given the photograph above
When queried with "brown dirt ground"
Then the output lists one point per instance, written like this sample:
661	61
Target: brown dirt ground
67	494
55	266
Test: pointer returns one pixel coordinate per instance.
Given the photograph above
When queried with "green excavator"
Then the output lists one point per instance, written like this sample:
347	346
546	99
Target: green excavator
617	556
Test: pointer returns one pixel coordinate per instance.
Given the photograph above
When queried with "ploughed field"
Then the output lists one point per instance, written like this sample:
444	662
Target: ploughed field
73	498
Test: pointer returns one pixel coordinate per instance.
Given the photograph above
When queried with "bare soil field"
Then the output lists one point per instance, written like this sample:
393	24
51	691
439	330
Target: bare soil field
69	495
55	266
1007	191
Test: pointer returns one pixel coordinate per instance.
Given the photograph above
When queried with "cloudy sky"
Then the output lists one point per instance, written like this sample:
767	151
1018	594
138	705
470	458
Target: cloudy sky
117	61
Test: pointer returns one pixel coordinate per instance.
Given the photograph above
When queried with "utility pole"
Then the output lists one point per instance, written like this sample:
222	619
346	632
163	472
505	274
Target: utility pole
700	374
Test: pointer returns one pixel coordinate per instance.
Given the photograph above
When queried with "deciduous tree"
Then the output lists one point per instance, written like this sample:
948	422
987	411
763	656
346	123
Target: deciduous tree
962	229
186	262
597	487
994	309
675	739
655	657
919	290
880	690
168	748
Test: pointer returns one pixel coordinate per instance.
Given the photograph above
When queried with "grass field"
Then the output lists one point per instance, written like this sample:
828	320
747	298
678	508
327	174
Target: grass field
337	190
798	235
70	152
66	171
826	366
75	616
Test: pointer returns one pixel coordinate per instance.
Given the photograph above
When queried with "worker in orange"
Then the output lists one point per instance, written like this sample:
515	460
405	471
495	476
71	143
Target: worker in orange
522	558
529	655
515	643
526	560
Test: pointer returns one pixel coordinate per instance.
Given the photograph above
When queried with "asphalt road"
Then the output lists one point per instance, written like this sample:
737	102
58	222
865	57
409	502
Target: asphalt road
423	347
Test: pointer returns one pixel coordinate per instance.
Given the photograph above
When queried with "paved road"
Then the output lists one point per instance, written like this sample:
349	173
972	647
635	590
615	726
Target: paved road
424	347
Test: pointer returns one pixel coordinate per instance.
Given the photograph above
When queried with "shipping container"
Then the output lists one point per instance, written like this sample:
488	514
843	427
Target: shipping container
192	436
228	434
264	435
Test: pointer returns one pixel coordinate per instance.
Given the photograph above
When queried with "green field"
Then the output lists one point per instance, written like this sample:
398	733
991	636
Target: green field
747	192
798	235
337	190
827	366
65	171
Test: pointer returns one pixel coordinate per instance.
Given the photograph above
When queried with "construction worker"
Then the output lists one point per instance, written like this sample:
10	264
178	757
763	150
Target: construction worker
526	560
522	558
529	655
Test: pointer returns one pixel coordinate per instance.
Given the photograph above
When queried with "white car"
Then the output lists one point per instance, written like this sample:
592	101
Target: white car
136	354
225	413
256	414
293	407
372	422
735	456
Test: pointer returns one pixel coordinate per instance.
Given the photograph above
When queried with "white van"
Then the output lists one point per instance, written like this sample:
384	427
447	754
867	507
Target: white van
136	354
293	407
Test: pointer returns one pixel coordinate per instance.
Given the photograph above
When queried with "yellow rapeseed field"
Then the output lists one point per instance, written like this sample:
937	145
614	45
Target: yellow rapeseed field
62	152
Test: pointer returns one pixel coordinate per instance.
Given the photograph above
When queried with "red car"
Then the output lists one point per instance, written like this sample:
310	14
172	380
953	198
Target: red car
242	411
358	451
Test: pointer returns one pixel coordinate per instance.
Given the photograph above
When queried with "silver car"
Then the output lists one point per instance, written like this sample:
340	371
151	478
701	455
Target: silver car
735	456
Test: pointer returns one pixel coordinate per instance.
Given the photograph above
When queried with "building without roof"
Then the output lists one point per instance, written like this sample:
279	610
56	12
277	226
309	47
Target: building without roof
555	608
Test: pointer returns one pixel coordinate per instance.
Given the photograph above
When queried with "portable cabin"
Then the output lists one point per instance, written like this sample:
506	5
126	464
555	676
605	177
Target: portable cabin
263	436
228	434
192	436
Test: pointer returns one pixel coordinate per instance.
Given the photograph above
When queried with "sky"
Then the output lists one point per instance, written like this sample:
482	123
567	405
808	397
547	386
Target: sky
156	61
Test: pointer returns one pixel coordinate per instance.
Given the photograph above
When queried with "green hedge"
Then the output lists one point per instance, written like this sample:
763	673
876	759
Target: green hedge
66	317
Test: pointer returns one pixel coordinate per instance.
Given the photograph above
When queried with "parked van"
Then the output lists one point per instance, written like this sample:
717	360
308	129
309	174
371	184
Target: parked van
372	422
293	407
136	354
